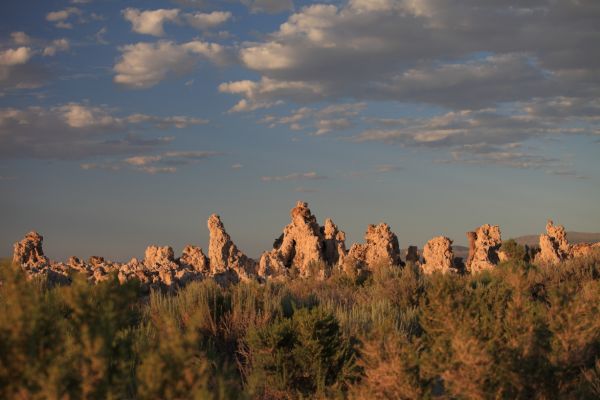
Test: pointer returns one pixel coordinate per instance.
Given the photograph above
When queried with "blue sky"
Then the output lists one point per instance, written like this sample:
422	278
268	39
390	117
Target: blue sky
127	123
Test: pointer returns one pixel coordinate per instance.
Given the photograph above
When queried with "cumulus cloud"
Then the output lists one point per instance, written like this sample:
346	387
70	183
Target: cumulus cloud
296	176
76	130
20	38
143	65
56	46
11	57
202	21
151	22
61	17
451	54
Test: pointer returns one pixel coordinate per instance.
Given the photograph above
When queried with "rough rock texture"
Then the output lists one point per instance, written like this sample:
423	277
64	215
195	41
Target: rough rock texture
334	243
225	258
28	252
438	256
583	249
412	254
554	246
380	247
485	253
472	238
303	243
156	256
195	258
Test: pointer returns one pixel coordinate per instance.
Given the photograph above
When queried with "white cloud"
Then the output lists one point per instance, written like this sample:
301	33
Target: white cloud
143	65
77	130
163	163
202	21
20	38
430	51
325	120
11	57
150	22
60	17
56	46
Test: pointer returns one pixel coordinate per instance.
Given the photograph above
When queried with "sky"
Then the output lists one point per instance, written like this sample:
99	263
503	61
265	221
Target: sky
127	123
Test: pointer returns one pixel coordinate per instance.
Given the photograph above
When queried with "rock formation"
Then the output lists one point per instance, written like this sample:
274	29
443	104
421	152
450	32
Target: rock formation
303	249
484	253
195	258
554	246
380	248
438	256
28	252
157	256
472	238
302	243
224	256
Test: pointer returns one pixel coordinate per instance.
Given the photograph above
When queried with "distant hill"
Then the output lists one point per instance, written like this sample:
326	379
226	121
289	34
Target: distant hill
572	237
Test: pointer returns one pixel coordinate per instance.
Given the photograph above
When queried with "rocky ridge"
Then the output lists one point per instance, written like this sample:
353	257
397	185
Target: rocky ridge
304	249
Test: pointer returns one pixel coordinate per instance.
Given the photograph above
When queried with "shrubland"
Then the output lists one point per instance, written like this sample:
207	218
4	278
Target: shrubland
519	331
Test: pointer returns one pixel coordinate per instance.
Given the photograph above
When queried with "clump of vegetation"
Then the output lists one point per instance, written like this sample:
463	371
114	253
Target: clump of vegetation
517	332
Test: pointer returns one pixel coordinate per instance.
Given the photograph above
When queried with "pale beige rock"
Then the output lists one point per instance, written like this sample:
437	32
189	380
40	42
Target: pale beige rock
438	256
583	249
380	248
472	238
272	265
559	237
304	245
224	255
156	256
554	246
487	243
334	243
195	258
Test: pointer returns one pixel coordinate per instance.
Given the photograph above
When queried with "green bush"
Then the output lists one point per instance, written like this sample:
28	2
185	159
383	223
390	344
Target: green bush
305	355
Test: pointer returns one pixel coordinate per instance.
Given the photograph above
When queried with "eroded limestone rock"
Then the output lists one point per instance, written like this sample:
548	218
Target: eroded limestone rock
380	248
304	244
29	252
195	258
485	250
554	246
224	256
438	256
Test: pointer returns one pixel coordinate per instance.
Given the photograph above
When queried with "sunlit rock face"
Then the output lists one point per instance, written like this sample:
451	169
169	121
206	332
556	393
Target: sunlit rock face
29	252
304	243
225	259
438	256
195	258
380	248
304	249
483	250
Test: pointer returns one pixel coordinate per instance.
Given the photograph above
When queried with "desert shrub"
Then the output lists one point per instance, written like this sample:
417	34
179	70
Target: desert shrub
519	331
514	251
67	342
303	355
